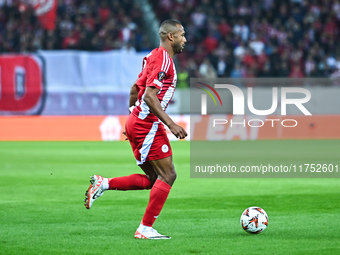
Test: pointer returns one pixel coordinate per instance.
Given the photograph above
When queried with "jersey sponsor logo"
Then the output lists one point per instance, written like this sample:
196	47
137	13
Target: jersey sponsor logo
161	76
165	148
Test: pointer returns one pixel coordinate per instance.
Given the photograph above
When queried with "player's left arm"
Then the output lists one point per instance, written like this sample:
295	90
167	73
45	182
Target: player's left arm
132	100
133	96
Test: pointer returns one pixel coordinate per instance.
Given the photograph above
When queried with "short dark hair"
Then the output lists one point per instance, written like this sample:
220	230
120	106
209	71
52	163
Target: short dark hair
168	26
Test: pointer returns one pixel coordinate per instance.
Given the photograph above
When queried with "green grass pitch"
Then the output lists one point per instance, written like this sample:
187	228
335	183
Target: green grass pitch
42	212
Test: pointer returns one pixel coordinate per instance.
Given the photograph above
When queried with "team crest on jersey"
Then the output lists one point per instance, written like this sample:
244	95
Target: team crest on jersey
161	76
165	148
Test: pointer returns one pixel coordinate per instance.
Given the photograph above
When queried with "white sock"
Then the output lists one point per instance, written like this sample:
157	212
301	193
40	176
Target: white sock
105	184
144	227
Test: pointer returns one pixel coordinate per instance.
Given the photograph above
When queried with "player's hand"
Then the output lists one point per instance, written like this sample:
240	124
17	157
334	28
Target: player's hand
124	133
178	131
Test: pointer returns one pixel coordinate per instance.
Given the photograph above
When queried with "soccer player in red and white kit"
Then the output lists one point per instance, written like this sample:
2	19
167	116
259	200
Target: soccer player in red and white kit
149	98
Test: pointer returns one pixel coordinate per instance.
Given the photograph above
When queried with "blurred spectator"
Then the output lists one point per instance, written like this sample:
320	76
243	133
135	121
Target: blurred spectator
207	70
337	65
71	40
221	67
265	71
192	68
256	44
223	27
336	73
331	62
127	29
240	50
283	70
241	29
310	67
104	12
198	17
238	71
210	42
296	71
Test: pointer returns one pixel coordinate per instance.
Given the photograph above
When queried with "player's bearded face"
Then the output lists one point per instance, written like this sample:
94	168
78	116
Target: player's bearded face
179	41
177	47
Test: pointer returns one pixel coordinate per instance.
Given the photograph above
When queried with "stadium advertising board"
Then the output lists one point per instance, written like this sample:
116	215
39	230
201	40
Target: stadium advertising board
22	88
67	83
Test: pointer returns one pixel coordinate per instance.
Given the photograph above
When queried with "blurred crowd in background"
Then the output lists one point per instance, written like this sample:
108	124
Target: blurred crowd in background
267	38
226	38
88	25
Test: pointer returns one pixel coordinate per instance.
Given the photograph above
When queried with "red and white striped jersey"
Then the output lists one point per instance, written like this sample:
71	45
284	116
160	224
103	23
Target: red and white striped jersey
158	71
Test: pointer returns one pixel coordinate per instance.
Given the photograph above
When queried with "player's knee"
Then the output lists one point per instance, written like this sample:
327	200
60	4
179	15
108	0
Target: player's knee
152	178
171	176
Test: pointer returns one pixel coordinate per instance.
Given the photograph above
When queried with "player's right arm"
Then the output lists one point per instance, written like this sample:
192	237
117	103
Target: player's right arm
150	98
